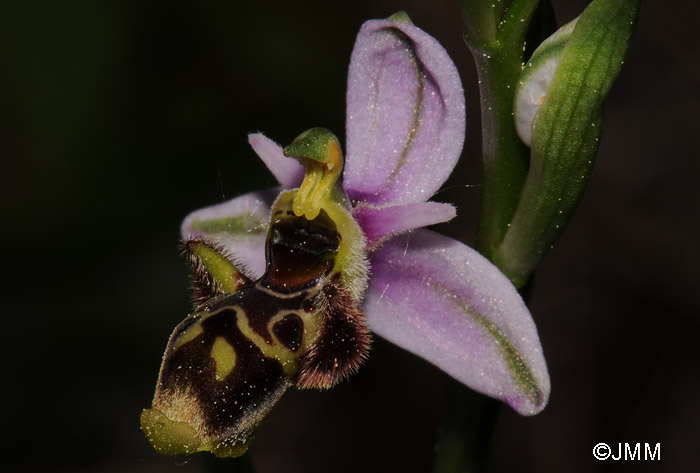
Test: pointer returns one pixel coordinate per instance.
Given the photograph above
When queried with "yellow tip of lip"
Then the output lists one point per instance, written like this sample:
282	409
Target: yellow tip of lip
168	437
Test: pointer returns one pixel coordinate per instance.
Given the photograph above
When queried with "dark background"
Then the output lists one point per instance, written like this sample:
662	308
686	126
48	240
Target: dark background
117	118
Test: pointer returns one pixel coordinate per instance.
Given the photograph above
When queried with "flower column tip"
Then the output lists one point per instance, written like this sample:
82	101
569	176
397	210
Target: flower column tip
318	150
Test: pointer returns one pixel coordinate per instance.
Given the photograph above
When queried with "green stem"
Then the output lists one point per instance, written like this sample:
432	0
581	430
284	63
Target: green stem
504	156
499	63
465	432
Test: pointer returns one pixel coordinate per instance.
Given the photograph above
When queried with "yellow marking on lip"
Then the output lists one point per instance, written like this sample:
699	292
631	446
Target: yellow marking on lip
309	334
224	356
276	349
190	334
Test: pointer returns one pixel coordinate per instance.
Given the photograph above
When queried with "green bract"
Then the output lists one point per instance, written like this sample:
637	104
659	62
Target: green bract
565	129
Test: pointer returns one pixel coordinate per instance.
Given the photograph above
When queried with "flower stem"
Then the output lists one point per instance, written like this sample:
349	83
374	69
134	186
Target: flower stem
465	432
499	60
504	156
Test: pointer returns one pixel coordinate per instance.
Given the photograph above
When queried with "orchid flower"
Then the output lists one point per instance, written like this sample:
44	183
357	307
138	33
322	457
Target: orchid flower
326	258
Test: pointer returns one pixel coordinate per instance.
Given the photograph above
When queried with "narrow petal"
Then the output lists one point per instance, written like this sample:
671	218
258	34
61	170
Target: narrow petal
405	116
239	226
443	301
378	223
287	171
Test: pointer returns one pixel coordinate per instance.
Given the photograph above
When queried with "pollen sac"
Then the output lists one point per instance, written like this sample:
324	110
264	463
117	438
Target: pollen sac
227	363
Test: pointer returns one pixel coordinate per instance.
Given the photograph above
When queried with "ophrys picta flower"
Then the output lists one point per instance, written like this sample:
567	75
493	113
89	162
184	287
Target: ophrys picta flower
290	281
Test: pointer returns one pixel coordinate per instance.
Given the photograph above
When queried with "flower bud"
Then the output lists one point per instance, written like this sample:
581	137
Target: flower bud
559	115
535	80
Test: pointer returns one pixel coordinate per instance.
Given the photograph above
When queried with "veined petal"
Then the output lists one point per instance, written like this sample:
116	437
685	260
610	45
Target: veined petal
378	223
445	302
238	226
405	115
287	171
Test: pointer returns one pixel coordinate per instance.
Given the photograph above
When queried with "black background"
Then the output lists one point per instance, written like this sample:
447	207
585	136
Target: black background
117	118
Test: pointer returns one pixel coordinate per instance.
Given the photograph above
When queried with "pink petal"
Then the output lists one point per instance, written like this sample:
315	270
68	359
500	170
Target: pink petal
288	171
444	302
239	226
405	117
378	223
